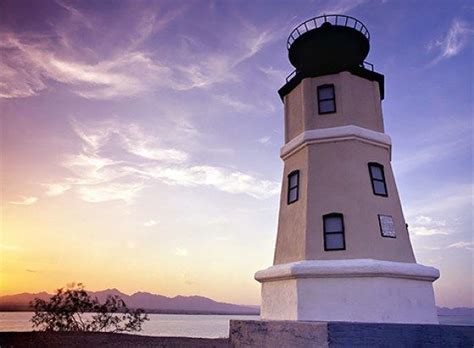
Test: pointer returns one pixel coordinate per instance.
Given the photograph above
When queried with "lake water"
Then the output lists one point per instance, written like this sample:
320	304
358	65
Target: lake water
209	326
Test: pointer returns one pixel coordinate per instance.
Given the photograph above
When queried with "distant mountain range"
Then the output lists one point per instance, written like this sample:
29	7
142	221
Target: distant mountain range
153	303
150	302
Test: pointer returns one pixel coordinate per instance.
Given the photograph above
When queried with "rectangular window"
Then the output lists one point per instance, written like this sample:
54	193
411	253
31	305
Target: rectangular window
334	232
377	177
293	186
326	99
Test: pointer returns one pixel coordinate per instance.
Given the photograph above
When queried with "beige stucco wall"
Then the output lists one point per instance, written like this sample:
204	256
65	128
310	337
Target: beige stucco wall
291	237
357	103
334	177
345	187
294	120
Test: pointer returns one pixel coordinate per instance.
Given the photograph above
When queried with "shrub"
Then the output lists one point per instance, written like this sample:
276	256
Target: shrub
66	310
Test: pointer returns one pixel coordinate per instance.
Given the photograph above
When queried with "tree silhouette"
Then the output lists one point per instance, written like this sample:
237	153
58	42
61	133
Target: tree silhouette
65	311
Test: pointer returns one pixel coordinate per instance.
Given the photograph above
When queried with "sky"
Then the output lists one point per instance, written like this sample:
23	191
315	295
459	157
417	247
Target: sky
140	140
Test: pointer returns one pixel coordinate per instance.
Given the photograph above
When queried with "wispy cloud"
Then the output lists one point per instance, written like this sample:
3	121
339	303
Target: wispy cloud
276	75
340	6
264	140
223	179
56	189
448	200
117	161
25	201
182	252
209	68
436	144
462	245
110	191
150	223
30	61
233	103
28	65
427	226
453	42
126	70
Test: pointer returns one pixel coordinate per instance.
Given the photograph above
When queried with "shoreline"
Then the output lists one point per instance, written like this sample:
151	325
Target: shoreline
103	339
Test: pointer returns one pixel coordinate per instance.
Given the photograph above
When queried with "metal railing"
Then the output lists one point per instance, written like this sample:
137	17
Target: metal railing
365	65
316	22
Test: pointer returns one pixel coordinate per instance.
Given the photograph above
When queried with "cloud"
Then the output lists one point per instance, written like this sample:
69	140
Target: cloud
427	226
434	145
220	178
150	223
340	6
264	140
234	104
56	189
450	200
209	68
28	65
181	252
26	201
30	61
454	41
110	191
117	161
275	75
126	69
462	245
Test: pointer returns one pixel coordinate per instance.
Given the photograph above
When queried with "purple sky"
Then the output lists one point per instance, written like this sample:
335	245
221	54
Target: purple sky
140	140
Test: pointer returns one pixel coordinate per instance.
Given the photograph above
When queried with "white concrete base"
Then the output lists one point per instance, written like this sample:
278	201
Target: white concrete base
361	290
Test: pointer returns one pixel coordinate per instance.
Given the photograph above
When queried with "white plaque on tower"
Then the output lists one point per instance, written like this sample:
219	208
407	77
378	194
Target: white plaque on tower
386	226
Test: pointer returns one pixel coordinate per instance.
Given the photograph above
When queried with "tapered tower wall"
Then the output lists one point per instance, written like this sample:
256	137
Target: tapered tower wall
358	103
334	177
343	251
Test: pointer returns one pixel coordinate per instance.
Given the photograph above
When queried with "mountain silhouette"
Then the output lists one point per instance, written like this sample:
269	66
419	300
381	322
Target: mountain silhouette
152	303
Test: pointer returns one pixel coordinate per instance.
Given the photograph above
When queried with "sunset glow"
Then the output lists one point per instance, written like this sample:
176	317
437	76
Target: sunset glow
140	140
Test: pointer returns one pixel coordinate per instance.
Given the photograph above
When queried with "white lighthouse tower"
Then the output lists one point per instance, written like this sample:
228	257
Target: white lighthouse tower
343	251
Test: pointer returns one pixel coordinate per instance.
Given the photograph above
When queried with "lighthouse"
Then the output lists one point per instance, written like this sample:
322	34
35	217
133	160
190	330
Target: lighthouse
343	251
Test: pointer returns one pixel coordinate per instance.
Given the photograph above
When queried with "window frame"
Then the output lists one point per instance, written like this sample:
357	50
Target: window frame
343	231
327	99
290	188
372	179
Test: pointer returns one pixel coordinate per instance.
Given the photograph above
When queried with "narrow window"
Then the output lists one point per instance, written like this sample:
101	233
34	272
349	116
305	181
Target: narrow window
326	99
334	232
293	186
377	176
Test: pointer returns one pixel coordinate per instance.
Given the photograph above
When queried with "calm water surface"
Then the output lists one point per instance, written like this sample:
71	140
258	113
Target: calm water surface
210	326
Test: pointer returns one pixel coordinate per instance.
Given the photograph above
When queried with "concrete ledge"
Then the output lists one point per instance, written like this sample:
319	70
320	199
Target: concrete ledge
347	268
259	333
336	134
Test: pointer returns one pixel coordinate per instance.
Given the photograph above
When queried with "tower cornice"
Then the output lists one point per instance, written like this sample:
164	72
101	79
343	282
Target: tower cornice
343	133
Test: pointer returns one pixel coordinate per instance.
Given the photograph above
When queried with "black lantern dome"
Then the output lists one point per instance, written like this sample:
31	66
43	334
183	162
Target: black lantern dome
328	43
